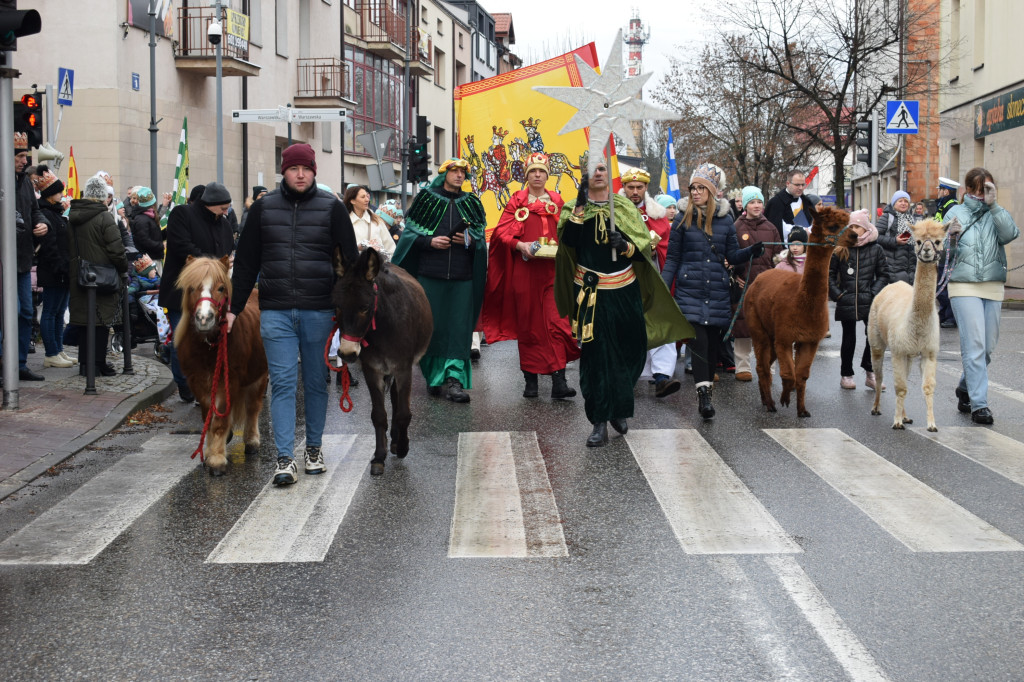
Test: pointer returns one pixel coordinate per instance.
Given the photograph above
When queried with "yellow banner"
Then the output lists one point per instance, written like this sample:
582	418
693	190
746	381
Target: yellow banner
502	120
72	188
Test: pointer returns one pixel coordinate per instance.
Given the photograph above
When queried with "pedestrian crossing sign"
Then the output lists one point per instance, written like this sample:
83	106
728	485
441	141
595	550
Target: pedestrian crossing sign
65	87
901	116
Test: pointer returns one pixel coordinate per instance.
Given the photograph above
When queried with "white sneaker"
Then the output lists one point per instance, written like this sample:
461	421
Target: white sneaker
56	361
314	460
68	358
286	472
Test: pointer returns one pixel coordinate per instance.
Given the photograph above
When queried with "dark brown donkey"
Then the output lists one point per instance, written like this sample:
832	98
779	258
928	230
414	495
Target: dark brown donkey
385	321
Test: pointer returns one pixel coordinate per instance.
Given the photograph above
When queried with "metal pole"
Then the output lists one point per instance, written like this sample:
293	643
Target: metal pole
90	336
8	245
153	183
406	134
126	328
289	105
220	102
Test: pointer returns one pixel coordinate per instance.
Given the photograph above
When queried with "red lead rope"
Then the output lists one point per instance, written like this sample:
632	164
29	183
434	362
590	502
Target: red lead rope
221	367
345	379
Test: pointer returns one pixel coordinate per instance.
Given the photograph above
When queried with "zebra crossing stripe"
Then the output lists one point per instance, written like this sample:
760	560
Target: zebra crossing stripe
993	386
913	513
997	452
855	659
504	505
709	508
78	528
297	523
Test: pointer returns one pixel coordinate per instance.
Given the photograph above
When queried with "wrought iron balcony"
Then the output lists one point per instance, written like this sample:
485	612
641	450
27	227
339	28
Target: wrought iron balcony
382	27
194	53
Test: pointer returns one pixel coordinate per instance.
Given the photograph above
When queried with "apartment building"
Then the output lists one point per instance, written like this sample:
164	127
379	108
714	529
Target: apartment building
981	106
298	54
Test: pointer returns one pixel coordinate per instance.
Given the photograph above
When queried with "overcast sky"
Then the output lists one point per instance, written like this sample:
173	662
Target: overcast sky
545	28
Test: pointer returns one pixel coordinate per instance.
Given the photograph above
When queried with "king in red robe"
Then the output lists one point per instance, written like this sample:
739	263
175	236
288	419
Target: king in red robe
519	302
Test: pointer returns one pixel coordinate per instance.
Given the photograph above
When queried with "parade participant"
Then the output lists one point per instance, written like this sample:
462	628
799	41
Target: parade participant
946	200
792	259
289	243
976	285
605	280
703	239
196	229
145	229
661	361
790	207
393	216
520	300
855	277
443	247
751	227
894	237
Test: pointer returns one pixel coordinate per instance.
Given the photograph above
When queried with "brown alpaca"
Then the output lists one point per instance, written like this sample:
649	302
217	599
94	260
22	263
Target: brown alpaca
904	320
788	313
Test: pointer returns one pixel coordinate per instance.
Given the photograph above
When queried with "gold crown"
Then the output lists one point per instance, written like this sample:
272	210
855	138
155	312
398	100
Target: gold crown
636	175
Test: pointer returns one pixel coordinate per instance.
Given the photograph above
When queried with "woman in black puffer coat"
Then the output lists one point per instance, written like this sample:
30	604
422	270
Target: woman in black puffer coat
703	237
855	277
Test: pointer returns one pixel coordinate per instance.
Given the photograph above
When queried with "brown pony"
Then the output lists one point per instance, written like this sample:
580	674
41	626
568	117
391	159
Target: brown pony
788	313
385	320
206	298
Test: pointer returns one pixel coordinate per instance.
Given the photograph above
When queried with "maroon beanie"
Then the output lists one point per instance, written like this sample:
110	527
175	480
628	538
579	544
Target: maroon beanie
299	154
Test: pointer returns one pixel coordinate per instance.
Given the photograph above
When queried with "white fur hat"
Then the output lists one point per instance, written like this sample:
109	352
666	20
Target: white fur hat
95	189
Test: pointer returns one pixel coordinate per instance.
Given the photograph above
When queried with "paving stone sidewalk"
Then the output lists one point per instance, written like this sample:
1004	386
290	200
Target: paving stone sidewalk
55	419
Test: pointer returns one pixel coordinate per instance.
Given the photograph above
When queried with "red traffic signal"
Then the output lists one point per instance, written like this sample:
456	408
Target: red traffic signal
32	119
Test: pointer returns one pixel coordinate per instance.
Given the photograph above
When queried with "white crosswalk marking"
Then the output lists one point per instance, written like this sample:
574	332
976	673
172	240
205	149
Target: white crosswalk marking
504	506
297	523
707	505
78	528
915	514
993	387
844	645
1001	454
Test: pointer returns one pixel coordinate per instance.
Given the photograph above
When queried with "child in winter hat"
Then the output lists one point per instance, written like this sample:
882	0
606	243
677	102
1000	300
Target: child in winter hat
750	193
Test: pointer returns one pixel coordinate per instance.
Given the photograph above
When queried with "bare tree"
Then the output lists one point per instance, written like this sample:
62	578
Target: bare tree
724	120
839	58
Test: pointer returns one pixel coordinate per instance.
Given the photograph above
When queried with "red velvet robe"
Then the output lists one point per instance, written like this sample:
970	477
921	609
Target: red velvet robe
519	302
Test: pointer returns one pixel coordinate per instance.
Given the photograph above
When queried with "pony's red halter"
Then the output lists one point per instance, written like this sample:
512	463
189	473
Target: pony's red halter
361	339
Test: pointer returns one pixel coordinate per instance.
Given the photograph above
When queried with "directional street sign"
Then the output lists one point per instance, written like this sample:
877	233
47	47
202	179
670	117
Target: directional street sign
901	116
376	142
287	114
65	87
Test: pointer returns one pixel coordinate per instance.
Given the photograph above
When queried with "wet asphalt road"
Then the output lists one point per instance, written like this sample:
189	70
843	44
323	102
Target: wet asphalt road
627	602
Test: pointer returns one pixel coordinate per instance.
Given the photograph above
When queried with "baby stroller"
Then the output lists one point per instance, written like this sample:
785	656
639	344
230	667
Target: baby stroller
146	318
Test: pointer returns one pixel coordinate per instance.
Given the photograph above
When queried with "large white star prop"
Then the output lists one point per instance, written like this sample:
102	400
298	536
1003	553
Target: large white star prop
607	102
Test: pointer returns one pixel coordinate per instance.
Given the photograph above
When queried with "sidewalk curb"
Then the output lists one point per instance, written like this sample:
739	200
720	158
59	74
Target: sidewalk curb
156	393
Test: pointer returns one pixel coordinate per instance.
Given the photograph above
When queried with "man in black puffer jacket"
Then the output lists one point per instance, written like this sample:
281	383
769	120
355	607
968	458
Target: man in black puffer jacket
289	244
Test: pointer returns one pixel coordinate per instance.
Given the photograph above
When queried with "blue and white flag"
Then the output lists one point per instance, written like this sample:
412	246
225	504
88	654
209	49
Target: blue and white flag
670	164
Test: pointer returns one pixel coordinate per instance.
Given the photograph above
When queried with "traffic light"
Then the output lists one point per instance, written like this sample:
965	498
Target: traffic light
15	23
31	121
419	154
867	142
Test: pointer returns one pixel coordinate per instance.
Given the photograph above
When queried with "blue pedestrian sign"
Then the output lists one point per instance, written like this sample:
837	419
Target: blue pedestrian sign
901	116
65	86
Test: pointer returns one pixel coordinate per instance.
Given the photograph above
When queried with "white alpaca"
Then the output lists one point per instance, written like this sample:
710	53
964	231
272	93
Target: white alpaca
904	320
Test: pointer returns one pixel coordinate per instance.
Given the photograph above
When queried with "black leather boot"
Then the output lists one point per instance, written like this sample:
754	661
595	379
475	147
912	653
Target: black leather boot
599	436
455	392
620	425
531	385
560	390
704	405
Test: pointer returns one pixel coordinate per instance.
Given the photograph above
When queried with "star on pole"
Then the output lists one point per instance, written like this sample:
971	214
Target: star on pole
607	103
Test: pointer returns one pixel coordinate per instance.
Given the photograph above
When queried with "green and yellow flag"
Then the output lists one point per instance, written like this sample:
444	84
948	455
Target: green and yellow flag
180	194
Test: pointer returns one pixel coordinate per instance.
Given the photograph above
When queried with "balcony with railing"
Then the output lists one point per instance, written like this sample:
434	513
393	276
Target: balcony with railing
382	27
422	63
322	82
194	53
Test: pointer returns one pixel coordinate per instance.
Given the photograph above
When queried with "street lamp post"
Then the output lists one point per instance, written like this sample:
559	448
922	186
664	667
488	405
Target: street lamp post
220	98
153	129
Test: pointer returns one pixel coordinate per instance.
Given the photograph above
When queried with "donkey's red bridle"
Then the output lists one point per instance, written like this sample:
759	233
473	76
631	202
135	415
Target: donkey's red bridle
361	339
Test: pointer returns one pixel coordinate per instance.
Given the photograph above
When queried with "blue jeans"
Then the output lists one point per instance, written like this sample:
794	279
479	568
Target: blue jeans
51	322
25	312
287	336
978	323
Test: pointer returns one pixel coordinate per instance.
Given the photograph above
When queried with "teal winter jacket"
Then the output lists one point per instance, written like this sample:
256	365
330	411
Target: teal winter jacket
979	254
